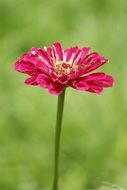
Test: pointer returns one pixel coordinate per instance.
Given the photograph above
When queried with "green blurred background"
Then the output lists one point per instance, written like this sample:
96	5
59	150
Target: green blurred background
94	136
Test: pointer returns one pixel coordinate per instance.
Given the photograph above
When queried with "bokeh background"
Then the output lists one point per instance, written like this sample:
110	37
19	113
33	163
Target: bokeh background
94	136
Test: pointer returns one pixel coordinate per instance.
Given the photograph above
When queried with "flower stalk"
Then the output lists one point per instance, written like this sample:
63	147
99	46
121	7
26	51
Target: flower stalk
60	107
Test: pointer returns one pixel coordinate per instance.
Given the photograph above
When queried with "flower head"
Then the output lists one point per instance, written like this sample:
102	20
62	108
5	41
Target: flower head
56	68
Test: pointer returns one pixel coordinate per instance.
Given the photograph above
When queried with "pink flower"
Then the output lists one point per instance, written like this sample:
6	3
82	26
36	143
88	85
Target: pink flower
55	68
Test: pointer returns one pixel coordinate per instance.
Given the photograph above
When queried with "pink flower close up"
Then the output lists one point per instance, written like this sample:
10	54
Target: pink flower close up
56	68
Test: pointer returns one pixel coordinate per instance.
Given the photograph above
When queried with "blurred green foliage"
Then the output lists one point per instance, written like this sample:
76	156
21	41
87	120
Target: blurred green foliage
94	136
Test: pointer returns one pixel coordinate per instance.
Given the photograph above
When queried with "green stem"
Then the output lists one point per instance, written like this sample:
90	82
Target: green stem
60	107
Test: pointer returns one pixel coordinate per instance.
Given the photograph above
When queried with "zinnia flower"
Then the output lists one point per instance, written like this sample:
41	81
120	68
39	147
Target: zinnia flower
56	68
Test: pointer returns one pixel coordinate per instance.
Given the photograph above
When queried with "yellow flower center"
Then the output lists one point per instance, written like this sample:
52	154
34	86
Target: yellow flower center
66	68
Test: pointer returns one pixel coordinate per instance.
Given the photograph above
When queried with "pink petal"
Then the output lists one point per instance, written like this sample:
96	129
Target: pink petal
54	76
79	85
92	62
93	83
56	88
95	88
94	76
81	54
100	79
46	82
88	86
107	82
63	79
30	64
69	54
48	50
29	58
26	67
42	61
58	51
31	81
42	66
43	80
41	55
